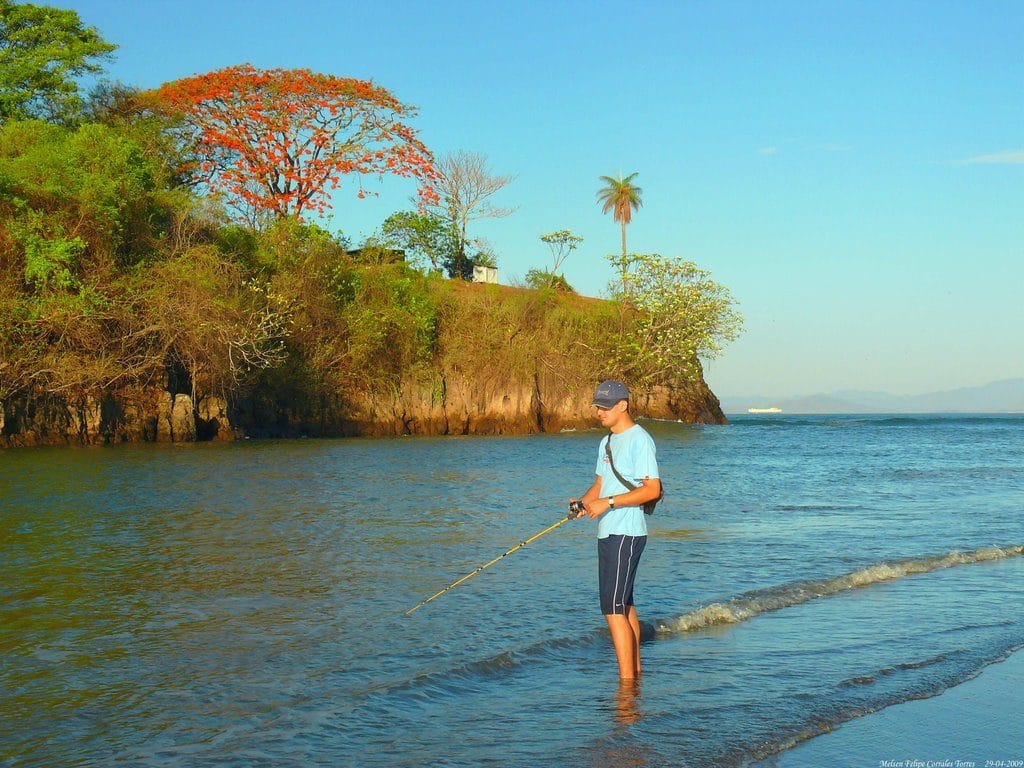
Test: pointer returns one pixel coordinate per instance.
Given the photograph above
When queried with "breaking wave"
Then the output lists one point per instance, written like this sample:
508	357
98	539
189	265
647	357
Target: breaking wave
754	603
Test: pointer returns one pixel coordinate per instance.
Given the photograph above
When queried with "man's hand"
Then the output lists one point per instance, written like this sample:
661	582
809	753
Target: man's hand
596	507
576	509
590	498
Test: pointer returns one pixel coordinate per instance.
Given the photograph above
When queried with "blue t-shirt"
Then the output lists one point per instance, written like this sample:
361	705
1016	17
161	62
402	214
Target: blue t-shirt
634	455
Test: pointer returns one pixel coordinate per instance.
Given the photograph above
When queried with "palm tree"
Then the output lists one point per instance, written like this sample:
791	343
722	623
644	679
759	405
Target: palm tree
620	196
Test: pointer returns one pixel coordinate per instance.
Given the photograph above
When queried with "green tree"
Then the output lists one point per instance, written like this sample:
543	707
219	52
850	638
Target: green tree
98	183
673	315
425	238
620	196
390	326
42	52
77	205
484	256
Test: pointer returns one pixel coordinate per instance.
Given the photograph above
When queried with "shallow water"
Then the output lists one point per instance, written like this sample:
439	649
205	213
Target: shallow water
244	604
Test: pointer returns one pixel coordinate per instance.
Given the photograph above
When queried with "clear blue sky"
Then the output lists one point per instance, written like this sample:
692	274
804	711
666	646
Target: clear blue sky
852	171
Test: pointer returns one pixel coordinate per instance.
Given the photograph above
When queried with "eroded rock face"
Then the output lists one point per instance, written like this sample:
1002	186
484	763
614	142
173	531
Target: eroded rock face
130	415
84	421
448	404
695	404
183	420
175	419
164	409
456	406
212	422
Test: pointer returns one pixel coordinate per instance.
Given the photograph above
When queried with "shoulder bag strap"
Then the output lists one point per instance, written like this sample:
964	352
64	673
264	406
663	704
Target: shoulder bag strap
608	452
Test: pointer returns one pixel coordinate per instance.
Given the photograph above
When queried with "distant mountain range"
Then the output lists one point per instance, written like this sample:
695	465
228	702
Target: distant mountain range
1005	396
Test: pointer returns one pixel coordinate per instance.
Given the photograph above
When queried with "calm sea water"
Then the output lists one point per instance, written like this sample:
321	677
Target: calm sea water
243	605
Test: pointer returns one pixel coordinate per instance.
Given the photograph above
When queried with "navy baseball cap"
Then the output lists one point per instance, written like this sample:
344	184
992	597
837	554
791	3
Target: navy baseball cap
608	393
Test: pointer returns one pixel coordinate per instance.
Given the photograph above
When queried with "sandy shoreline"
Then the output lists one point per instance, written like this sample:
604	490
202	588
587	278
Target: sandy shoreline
977	724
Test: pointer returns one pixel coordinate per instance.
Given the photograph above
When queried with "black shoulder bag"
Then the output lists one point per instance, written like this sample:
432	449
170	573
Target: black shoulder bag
647	506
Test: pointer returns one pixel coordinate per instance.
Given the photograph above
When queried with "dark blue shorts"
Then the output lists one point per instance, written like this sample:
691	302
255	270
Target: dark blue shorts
617	559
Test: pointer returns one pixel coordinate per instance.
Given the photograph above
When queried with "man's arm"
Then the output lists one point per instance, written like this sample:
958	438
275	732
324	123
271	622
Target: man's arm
592	492
648	490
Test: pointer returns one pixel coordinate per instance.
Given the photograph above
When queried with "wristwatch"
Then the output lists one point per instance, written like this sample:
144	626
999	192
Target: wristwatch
611	502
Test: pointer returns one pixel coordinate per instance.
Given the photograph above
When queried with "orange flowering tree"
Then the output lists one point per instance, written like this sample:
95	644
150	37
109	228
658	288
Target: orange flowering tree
279	141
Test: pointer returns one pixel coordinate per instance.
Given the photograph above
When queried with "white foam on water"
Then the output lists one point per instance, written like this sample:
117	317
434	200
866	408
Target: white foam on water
754	603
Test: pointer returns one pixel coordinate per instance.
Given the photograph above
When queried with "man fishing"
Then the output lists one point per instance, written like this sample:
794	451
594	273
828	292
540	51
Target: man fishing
627	477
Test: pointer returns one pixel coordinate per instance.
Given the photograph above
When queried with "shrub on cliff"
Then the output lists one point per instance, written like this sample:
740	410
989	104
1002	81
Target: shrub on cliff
541	280
374	328
79	207
354	324
96	183
198	311
671	315
108	274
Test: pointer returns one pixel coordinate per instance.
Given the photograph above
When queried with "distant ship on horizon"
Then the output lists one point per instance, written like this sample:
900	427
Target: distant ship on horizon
764	410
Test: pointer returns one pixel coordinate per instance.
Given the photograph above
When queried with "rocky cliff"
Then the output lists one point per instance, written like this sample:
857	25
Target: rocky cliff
448	404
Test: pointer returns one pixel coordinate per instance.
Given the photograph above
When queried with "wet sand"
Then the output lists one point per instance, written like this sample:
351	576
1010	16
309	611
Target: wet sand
978	724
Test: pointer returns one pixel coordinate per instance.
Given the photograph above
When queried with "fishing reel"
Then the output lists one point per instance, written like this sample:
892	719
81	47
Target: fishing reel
576	509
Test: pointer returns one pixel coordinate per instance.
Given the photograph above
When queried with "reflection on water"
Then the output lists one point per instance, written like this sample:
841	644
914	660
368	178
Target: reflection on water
627	702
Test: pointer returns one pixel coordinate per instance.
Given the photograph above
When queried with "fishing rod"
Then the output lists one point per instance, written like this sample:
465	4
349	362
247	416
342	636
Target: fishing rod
575	509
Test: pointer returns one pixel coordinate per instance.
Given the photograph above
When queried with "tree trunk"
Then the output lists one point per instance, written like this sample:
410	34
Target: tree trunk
625	268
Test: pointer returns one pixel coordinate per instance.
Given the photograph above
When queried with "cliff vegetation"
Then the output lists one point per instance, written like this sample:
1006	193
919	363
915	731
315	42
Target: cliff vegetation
158	281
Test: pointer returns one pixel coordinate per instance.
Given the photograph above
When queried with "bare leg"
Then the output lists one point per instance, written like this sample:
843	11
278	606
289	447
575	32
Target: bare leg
626	645
634	623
